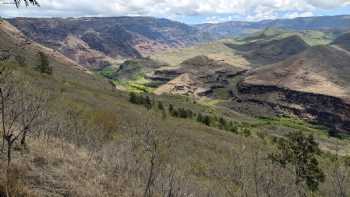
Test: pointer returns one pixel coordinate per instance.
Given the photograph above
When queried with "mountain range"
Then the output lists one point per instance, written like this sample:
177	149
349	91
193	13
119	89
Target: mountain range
100	42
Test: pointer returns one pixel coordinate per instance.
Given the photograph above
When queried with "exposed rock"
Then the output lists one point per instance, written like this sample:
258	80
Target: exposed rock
198	77
312	85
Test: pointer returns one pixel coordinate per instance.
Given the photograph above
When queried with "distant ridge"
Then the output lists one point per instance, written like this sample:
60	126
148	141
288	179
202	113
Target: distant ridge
236	28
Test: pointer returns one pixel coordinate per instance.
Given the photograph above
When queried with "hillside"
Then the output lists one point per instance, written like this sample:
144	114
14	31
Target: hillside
216	50
97	42
267	51
312	85
311	37
343	41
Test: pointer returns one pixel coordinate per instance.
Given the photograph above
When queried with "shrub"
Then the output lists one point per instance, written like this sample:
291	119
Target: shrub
171	108
44	66
160	106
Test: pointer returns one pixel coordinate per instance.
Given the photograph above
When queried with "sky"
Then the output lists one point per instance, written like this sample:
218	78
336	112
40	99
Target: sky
187	11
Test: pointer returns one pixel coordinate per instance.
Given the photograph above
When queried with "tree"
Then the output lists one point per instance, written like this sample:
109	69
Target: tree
133	98
20	110
299	152
206	120
200	118
171	109
44	66
147	102
26	2
222	123
160	106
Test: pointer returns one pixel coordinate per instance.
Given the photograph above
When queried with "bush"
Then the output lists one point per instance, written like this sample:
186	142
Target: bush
44	66
206	120
160	106
140	100
171	108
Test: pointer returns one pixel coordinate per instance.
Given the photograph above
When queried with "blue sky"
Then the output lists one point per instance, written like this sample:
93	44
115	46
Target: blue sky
187	11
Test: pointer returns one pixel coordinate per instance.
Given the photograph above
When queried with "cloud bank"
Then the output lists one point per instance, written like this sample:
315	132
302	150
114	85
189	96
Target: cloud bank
206	10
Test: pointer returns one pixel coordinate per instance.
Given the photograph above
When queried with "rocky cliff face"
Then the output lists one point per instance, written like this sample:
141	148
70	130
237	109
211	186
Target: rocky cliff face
330	111
85	39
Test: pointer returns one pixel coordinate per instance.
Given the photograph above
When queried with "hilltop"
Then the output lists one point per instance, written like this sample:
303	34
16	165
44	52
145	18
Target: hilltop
270	51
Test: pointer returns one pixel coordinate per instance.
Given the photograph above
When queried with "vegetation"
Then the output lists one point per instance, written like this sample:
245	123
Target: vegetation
44	66
300	152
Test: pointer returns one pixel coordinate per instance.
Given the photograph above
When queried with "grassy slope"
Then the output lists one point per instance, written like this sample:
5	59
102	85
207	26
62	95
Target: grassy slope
214	50
310	37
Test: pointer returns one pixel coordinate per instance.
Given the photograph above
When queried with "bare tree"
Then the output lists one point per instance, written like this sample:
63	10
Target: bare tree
20	110
26	2
339	175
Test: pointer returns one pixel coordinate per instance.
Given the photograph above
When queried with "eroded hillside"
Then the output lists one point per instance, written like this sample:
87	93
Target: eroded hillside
99	42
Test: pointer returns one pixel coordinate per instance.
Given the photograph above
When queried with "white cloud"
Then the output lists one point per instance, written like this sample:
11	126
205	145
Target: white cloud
246	9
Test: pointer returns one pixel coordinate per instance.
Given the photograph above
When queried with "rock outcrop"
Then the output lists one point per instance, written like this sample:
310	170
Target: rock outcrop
198	77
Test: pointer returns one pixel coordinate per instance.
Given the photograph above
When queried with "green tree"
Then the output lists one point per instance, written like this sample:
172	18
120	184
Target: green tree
171	109
133	98
44	66
182	113
189	113
246	132
160	106
147	102
200	118
299	152
206	120
222	123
